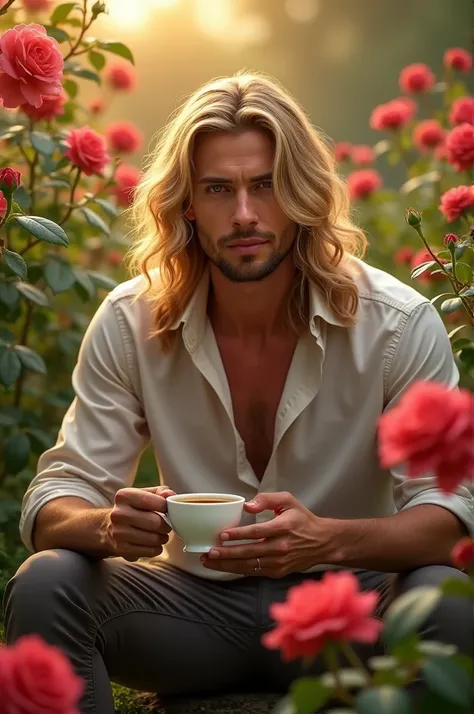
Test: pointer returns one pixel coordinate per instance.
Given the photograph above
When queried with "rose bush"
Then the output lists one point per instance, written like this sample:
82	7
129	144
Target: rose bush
62	195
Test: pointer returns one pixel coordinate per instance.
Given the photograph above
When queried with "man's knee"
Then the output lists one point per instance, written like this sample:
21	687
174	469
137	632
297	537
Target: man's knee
37	581
452	621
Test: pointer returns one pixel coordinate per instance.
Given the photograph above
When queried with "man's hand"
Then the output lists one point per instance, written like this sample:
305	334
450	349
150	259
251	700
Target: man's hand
133	528
293	541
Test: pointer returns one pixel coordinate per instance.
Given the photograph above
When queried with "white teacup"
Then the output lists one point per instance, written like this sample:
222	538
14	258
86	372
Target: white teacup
199	518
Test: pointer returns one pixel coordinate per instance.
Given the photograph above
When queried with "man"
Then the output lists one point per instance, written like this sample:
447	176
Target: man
256	353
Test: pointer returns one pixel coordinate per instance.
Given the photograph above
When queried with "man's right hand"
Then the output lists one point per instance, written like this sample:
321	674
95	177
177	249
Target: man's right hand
133	529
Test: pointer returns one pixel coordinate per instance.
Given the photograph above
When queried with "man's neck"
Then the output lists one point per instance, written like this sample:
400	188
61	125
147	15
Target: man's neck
254	310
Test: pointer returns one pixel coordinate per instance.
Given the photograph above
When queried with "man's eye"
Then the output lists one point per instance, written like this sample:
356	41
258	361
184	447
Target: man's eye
265	184
216	188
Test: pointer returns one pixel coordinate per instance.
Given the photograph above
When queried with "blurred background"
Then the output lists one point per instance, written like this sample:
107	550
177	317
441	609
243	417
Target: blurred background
338	57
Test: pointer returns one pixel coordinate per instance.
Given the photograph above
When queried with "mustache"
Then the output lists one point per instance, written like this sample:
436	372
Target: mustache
248	233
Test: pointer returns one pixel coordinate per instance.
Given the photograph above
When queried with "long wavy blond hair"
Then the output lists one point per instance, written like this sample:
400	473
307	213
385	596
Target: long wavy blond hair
306	186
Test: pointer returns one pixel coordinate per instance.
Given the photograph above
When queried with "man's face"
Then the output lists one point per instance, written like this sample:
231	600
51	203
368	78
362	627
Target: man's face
240	225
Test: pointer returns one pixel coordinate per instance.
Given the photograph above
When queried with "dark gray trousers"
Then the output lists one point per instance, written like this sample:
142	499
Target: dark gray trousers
158	629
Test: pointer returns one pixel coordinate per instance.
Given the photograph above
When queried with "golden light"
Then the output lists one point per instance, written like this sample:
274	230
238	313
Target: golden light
131	14
302	10
215	18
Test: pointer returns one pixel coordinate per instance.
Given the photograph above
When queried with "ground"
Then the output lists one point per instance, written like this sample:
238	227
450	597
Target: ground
128	702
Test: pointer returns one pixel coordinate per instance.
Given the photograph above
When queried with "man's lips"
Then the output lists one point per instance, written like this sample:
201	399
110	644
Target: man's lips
247	242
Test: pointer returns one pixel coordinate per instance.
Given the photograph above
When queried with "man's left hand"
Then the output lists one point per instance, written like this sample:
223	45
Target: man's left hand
293	541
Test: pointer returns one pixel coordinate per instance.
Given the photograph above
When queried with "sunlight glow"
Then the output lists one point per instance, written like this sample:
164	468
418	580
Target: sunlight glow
215	18
135	13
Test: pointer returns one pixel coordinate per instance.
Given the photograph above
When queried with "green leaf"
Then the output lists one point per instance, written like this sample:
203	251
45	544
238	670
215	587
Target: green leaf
61	12
95	220
42	142
7	419
455	331
408	612
9	132
309	694
86	74
383	700
442	295
6	336
446	678
40	440
86	287
454	586
10	366
15	262
451	305
464	272
96	59
422	269
43	229
56	183
16	453
59	276
108	206
33	294
461	344
47	164
23	198
117	48
102	281
71	87
58	34
468	293
30	359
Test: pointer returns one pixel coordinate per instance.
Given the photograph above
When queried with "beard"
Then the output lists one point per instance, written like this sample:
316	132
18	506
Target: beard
248	269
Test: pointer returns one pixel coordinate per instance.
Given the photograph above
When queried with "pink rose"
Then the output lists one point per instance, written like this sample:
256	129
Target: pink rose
31	66
36	678
456	201
428	134
342	151
97	106
404	255
37	5
127	178
462	111
460	147
458	59
362	155
462	554
124	137
393	115
120	76
416	78
431	430
3	205
317	613
363	183
51	108
87	150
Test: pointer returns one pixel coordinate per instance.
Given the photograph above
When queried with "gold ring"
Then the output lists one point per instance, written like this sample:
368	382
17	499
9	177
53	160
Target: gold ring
259	566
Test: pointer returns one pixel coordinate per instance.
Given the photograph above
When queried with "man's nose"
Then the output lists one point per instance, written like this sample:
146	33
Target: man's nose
244	213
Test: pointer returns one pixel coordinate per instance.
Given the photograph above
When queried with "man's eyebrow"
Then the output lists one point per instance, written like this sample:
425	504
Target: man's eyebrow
219	179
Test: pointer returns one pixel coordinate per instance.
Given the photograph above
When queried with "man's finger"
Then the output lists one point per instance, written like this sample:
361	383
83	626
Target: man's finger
258	531
141	499
268	547
276	502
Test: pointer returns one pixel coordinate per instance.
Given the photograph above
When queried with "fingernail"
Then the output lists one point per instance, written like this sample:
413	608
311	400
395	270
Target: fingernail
251	503
213	553
224	536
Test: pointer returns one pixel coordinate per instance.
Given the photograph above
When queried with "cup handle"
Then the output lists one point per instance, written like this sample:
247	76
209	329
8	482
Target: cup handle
165	518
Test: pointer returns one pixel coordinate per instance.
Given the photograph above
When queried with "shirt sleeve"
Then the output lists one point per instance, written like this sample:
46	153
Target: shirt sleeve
424	352
103	432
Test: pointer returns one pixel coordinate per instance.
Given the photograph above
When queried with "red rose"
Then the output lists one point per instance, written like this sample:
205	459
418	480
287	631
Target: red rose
432	431
424	256
457	58
462	554
416	78
37	5
342	151
124	137
31	66
462	111
127	178
363	183
3	205
404	255
37	678
52	107
9	180
114	257
362	155
317	613
460	147
456	201
428	134
450	238
120	76
87	150
392	115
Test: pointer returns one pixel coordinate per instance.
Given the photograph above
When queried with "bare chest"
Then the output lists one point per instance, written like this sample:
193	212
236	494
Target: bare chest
256	382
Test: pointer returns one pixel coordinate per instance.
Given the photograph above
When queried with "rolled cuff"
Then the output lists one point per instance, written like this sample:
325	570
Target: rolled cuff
462	507
45	492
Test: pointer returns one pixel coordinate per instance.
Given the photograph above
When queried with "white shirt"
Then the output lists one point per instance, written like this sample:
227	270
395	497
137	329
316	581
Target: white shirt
325	447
